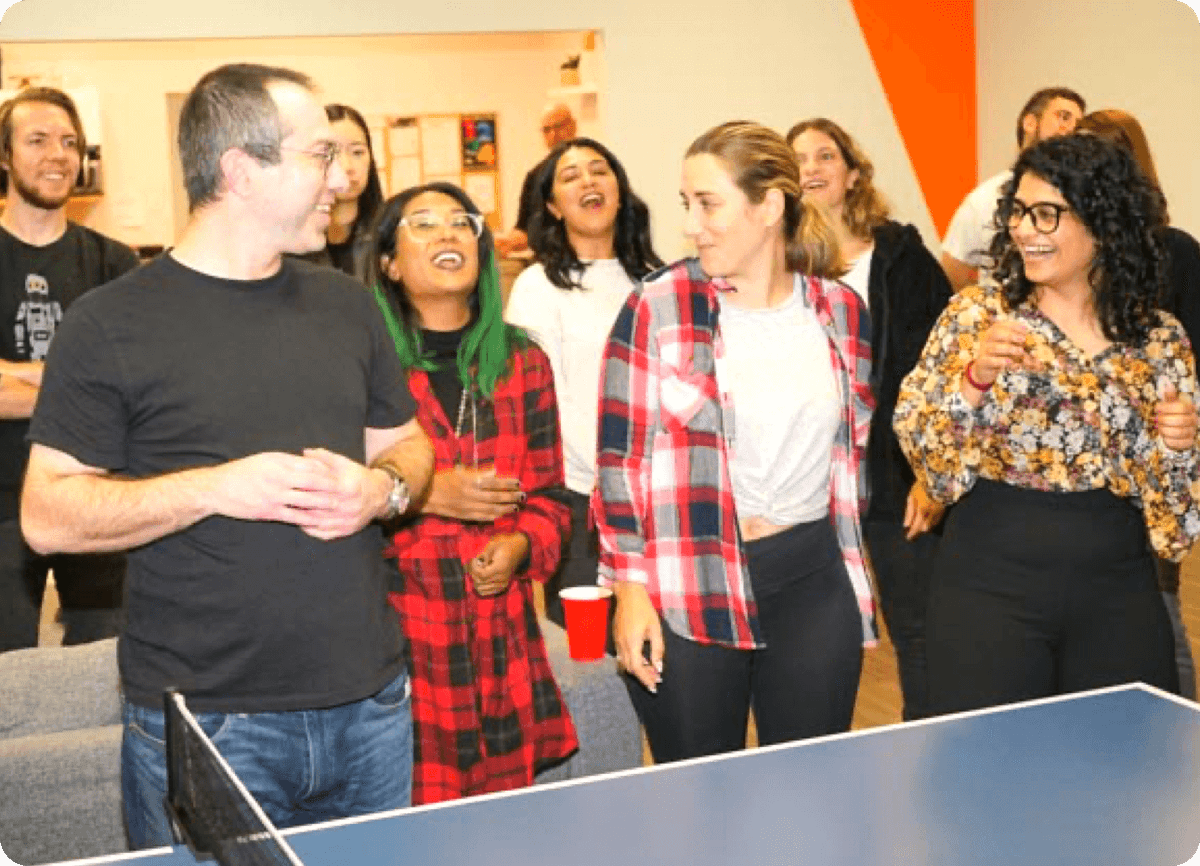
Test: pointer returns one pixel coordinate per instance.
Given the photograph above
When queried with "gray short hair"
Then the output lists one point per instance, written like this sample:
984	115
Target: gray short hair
230	107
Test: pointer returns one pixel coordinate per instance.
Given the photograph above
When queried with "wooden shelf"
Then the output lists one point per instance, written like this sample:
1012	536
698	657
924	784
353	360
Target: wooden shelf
78	206
83	198
574	90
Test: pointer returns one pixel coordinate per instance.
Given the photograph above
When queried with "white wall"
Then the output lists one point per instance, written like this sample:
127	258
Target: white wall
1143	57
674	67
508	74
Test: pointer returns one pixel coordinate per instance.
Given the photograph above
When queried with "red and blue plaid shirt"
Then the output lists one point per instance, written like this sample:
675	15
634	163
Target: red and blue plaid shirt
663	504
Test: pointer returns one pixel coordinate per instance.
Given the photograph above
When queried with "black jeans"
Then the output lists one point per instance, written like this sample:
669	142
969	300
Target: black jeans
802	684
902	571
1036	594
1168	584
90	591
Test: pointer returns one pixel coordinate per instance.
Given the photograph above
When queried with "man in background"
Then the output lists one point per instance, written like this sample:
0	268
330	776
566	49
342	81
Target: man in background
558	125
46	263
1049	112
237	419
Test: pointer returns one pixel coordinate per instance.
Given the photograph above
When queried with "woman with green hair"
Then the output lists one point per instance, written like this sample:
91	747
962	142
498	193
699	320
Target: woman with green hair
487	714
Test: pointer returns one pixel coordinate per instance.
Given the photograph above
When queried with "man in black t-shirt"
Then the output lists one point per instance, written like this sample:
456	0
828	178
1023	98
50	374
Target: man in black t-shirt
46	263
238	420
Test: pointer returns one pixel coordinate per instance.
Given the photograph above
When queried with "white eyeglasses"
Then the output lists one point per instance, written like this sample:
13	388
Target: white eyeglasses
426	226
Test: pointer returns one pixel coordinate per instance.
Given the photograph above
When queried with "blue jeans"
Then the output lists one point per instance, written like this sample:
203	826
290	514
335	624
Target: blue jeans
302	766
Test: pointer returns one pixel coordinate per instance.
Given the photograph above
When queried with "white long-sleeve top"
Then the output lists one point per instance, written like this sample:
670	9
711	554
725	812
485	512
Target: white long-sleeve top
571	326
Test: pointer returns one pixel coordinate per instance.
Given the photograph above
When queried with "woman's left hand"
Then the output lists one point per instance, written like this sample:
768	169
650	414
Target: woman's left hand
492	570
1176	420
921	512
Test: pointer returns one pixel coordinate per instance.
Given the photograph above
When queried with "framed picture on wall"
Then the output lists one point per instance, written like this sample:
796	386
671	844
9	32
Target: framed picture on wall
478	142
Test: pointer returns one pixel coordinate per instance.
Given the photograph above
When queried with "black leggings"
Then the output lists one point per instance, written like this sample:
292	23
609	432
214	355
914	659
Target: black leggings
803	684
902	571
578	565
1036	594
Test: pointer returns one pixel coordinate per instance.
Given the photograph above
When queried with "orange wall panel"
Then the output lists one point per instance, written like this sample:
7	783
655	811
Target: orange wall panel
924	54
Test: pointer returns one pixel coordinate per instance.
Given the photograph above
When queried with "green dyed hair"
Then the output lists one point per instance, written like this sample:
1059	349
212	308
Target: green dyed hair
483	354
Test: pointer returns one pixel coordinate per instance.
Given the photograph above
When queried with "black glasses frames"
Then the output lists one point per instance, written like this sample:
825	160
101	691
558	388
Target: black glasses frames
1045	215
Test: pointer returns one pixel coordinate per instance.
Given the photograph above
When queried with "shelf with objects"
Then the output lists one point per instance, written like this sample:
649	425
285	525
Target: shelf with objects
580	80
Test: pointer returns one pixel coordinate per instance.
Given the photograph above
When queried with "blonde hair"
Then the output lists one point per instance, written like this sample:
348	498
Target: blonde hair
759	160
865	207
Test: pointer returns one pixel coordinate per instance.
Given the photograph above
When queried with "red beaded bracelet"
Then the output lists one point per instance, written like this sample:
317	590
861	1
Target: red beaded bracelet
978	386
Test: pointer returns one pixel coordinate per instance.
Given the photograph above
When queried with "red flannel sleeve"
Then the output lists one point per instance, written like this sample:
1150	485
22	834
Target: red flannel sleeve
627	420
858	354
853	326
543	519
842	312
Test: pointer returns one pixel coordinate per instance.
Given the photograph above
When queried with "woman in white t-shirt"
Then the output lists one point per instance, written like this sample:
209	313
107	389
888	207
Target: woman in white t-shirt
591	235
735	412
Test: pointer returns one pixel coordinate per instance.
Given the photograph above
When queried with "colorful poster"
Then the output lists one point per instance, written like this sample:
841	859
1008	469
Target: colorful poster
479	142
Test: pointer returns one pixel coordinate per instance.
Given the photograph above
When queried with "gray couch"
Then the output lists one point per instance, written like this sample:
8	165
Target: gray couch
60	743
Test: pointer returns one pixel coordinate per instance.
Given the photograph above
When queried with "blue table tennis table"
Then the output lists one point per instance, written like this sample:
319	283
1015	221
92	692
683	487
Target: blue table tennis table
1104	777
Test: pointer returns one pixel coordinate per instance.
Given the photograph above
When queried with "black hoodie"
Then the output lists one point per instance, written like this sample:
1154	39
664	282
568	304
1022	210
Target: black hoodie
906	292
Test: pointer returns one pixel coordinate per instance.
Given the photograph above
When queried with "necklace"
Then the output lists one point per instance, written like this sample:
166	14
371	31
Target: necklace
458	425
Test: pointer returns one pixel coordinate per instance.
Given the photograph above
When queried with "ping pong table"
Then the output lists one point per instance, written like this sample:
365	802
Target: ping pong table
1104	777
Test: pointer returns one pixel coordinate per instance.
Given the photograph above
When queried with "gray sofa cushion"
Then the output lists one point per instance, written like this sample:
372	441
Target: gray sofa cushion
51	689
610	738
60	746
62	796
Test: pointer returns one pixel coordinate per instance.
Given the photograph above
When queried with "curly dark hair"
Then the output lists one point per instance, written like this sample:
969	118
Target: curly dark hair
548	233
1120	208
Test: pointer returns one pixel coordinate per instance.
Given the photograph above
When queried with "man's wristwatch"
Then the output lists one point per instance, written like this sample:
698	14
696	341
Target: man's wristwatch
397	501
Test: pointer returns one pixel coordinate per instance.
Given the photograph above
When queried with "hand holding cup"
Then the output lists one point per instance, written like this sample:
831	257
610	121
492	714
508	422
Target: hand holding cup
1002	345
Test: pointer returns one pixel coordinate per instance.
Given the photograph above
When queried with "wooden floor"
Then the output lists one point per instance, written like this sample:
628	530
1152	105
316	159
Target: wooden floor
879	699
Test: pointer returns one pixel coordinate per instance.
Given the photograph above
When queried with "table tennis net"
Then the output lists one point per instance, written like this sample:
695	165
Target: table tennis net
210	808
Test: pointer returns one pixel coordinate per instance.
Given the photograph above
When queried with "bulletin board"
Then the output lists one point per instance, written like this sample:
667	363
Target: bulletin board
461	149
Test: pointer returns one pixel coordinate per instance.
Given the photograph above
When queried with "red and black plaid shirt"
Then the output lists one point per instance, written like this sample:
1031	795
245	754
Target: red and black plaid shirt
487	713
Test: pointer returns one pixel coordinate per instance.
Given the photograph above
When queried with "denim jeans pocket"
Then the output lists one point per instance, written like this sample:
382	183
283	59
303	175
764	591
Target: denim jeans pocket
150	724
394	694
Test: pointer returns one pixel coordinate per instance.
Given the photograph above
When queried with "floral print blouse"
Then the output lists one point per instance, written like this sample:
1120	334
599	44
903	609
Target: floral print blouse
1071	423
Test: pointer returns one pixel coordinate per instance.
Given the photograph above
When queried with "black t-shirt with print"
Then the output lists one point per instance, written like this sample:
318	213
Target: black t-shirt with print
37	285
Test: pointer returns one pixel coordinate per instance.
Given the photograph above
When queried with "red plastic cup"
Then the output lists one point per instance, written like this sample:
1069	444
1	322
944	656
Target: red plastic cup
586	612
